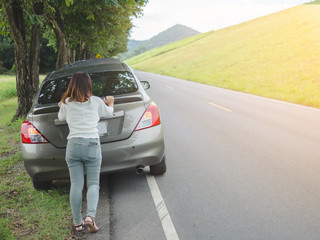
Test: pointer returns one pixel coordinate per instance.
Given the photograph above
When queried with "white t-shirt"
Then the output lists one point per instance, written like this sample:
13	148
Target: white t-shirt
83	118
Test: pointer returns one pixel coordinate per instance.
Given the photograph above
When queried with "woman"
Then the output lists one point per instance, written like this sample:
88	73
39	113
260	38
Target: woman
82	111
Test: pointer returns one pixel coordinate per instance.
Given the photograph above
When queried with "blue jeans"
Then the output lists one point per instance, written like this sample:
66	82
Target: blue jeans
80	153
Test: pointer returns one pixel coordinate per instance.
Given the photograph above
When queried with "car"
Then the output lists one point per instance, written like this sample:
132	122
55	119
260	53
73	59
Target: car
131	139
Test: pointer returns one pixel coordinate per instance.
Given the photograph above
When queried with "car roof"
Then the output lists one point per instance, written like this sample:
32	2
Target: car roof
90	66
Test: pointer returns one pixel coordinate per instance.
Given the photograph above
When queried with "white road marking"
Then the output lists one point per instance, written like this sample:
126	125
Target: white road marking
223	108
167	224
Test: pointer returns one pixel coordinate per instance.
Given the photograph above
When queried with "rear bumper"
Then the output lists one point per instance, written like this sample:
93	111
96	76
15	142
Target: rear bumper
45	162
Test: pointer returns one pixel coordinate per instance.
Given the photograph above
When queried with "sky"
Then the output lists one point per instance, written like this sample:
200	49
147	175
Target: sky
202	15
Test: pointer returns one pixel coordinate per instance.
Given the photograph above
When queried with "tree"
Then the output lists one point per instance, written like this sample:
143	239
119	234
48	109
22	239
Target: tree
47	57
26	48
54	17
6	44
80	30
86	28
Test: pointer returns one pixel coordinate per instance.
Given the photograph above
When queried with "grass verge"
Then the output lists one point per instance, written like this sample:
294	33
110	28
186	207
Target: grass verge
8	86
24	212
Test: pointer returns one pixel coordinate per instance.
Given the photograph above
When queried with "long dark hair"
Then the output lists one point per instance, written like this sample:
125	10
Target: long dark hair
79	89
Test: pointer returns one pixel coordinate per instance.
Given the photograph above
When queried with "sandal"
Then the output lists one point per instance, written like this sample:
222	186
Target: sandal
79	230
91	225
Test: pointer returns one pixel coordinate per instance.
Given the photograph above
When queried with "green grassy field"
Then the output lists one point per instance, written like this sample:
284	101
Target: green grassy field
276	56
24	212
8	87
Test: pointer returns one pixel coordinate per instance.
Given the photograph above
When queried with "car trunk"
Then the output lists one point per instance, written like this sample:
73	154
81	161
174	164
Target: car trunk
129	109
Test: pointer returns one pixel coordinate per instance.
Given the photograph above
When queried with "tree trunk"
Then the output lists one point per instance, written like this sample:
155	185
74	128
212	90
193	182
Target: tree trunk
24	82
90	54
62	49
35	45
77	54
81	51
35	56
61	42
71	55
84	53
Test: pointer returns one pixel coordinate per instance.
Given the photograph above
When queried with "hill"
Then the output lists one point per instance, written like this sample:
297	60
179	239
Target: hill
175	33
275	56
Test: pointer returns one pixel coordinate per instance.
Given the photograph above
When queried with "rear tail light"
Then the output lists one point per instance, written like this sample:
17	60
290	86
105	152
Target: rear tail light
150	118
29	134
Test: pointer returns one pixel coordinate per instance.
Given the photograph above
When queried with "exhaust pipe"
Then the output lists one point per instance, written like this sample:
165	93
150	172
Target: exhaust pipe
140	169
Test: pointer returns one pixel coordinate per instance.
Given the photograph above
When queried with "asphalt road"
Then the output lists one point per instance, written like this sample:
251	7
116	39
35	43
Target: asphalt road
239	167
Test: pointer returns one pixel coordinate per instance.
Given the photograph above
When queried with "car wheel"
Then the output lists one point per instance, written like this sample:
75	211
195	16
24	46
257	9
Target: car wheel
159	168
45	185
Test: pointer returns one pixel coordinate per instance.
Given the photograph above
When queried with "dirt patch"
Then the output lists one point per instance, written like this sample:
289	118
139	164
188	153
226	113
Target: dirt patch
16	149
22	233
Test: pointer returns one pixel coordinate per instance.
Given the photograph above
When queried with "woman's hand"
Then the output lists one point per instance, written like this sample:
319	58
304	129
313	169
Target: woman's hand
59	104
109	100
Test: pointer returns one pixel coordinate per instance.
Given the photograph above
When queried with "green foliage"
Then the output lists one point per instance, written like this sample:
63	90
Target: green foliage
48	57
4	28
13	69
96	27
84	27
69	2
6	52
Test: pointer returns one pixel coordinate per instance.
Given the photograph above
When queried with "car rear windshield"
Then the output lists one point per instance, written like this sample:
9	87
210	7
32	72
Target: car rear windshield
103	84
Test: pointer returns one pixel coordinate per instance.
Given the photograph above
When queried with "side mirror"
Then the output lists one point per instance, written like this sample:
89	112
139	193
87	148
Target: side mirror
145	85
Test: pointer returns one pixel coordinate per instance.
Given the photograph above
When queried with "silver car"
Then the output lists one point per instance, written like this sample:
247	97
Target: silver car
131	139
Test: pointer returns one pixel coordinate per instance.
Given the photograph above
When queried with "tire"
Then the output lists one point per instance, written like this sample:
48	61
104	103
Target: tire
159	168
44	185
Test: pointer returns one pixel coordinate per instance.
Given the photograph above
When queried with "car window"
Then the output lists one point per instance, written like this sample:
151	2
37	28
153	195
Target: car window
103	84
